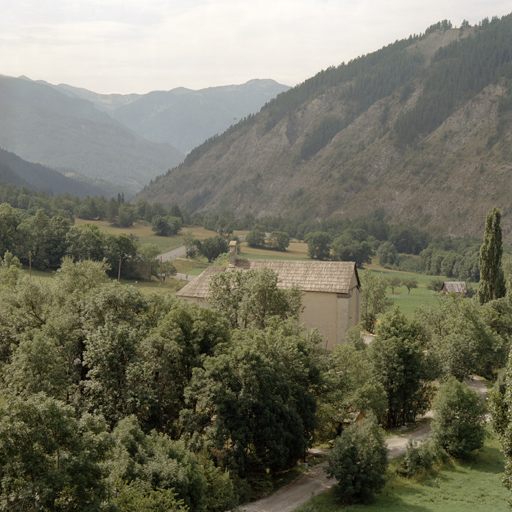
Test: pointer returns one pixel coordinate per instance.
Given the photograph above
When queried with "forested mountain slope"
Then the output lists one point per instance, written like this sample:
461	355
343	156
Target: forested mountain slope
43	125
420	130
19	172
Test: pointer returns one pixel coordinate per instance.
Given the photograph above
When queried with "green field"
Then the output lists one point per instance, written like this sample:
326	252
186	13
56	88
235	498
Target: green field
296	251
474	485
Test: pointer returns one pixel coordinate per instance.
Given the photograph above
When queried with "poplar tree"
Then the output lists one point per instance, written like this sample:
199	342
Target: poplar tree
492	281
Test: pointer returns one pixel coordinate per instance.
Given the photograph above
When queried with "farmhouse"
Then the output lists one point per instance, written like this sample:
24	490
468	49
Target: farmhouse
457	287
331	291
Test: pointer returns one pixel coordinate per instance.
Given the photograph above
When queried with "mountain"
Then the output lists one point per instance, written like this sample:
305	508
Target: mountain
418	131
18	172
183	117
43	125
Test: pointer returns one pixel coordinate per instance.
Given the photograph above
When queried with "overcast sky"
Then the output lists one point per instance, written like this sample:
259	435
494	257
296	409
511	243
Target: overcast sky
143	45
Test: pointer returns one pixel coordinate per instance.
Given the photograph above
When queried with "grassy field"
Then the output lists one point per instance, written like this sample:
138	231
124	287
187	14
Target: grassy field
407	302
296	251
474	485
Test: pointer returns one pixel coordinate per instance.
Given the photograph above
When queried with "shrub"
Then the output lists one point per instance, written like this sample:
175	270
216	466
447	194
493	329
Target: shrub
420	458
459	419
358	461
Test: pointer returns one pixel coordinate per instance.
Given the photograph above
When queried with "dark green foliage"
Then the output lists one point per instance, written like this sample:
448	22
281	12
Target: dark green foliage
318	245
213	247
400	365
492	280
420	458
278	240
245	401
49	460
387	254
166	226
358	462
255	238
436	285
346	247
459	419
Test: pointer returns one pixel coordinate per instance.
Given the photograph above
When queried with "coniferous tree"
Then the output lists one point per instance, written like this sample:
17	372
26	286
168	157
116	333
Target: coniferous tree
492	281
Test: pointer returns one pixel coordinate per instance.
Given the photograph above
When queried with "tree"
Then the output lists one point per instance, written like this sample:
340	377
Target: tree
49	460
85	243
358	462
387	254
251	297
166	225
347	248
410	284
155	461
212	247
459	419
373	298
501	415
255	238
349	385
318	245
492	281
241	403
400	365
278	240
147	262
394	282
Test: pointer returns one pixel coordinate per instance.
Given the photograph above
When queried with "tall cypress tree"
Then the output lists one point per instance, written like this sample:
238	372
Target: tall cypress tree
492	281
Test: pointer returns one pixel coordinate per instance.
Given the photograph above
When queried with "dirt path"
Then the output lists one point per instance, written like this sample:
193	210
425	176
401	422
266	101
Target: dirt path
315	481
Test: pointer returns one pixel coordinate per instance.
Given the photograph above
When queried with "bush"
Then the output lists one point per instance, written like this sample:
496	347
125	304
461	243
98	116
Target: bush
435	285
420	458
358	461
459	419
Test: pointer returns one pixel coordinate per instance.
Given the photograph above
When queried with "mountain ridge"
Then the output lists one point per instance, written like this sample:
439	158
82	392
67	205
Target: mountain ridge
419	129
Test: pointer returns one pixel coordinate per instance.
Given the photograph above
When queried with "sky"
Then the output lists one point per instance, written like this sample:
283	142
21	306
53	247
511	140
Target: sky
138	46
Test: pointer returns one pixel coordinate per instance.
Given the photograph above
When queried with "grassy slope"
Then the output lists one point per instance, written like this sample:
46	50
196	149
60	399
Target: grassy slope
473	485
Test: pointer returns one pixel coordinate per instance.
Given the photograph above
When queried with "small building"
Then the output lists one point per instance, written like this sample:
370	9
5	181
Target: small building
456	287
331	289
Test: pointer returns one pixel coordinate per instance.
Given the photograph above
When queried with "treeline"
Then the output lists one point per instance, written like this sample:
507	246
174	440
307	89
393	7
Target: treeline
42	242
398	247
117	211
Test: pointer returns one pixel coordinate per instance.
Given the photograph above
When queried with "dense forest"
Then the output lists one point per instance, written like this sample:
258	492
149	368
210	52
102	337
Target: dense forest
115	400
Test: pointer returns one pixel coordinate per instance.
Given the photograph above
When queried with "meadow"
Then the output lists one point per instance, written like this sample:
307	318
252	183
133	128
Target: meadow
296	251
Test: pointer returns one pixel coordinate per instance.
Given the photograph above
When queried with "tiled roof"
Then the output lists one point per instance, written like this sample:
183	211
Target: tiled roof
309	276
454	286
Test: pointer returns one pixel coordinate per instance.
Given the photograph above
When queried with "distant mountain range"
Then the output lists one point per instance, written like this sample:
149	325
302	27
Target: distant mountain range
123	139
183	117
418	132
16	171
